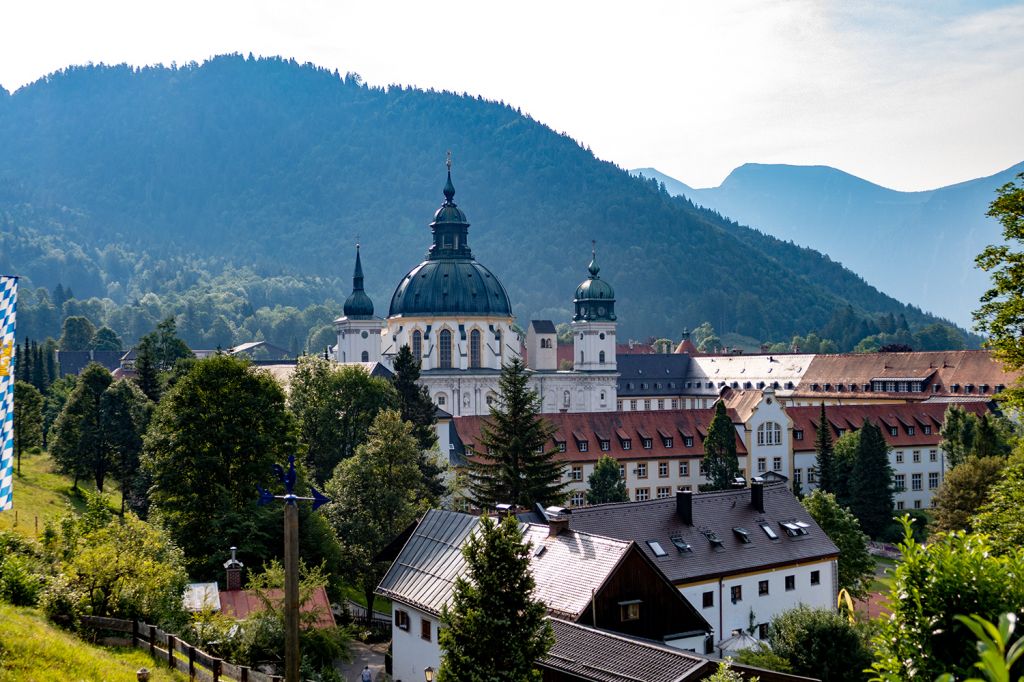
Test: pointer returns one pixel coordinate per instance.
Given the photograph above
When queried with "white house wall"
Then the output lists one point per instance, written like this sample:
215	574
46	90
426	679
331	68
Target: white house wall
410	653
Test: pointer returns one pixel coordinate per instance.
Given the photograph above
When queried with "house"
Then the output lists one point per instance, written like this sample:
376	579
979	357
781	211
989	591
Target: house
658	452
580	577
74	361
912	430
740	557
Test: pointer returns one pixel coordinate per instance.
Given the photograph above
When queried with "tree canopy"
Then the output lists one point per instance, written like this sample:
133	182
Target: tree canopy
79	444
605	483
856	567
28	418
964	490
720	459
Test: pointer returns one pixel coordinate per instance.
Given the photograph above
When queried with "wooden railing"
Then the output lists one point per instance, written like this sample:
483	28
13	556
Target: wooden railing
177	653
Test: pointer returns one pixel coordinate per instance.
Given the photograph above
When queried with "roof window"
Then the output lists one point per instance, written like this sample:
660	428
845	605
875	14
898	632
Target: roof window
794	529
657	548
769	531
681	544
540	550
712	538
742	535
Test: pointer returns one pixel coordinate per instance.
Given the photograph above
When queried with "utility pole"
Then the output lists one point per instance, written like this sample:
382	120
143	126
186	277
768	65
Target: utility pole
292	656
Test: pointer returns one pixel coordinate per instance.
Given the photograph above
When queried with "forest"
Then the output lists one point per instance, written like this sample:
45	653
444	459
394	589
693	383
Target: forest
231	195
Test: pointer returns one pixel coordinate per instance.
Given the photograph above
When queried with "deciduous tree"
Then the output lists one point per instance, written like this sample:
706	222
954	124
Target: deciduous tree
76	333
516	463
605	483
376	494
820	643
106	339
124	414
78	445
720	459
856	567
1001	517
964	491
494	629
28	418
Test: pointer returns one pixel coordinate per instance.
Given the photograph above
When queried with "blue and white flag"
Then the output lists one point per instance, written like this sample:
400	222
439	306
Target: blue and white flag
8	304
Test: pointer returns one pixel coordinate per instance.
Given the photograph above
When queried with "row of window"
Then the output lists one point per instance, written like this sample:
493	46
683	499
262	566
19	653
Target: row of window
444	347
624	443
933	456
648	404
575	471
899	481
736	591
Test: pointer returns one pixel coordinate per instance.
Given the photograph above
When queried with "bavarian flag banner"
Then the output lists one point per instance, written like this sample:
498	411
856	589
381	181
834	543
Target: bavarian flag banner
8	303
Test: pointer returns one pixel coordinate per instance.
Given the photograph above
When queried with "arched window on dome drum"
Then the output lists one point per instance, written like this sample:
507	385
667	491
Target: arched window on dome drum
444	349
366	356
600	357
474	348
417	346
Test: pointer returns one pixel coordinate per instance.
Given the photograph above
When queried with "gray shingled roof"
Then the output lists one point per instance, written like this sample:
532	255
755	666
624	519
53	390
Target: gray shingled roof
543	326
718	513
655	371
601	656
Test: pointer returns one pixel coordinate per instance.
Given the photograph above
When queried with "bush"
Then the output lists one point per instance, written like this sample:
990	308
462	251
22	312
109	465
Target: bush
820	643
21	580
62	603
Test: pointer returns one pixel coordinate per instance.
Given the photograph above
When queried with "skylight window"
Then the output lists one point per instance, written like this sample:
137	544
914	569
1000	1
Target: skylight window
540	550
713	538
793	530
769	531
742	535
681	544
657	548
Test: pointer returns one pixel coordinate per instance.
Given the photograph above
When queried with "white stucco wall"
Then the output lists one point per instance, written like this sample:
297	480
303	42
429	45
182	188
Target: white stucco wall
410	653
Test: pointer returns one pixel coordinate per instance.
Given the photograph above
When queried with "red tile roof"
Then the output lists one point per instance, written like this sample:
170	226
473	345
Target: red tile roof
892	415
240	603
616	427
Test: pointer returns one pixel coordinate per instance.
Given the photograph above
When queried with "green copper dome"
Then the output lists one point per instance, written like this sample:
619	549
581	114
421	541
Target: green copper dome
358	305
450	282
595	298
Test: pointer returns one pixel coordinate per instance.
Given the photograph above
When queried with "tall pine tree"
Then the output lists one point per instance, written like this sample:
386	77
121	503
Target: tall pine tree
871	485
720	461
515	464
495	629
825	460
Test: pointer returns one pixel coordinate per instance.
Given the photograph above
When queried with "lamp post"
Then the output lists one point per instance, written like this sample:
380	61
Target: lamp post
291	561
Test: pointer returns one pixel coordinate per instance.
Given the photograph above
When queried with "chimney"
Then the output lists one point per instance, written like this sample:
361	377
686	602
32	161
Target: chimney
556	524
757	495
234	569
684	506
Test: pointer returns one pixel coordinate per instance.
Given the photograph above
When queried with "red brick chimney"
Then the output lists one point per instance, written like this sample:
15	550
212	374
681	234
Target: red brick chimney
234	569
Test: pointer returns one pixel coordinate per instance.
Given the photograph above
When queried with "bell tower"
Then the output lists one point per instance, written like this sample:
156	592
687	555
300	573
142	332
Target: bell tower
358	330
593	324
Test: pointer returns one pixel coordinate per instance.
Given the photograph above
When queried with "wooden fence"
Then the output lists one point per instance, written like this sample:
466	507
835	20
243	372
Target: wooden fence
177	653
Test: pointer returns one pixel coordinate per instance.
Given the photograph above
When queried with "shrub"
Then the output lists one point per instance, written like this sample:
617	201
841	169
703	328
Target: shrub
62	602
20	580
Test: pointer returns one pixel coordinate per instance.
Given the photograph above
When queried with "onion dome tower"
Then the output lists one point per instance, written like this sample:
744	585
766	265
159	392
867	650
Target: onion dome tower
358	330
593	324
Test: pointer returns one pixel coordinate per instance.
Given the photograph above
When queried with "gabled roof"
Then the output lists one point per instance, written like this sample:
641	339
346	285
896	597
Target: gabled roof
543	326
715	513
614	428
241	603
651	374
886	415
74	361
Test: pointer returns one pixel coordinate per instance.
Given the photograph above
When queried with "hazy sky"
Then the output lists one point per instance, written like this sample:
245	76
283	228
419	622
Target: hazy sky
911	96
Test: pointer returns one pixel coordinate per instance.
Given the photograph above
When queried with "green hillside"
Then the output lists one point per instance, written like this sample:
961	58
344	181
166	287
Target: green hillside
229	191
33	650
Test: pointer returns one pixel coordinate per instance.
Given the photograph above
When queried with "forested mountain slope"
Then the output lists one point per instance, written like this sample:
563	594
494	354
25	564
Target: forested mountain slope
221	191
920	244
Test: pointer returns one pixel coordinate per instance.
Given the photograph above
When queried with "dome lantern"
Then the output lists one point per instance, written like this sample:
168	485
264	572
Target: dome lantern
595	298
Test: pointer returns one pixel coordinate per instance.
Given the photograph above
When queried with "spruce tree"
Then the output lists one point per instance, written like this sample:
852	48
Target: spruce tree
38	368
515	464
50	359
720	461
495	629
825	461
606	485
146	374
418	409
23	369
871	485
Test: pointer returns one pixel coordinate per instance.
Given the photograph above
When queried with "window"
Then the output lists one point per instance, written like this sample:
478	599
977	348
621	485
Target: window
561	445
933	480
632	405
684	469
417	345
606	446
402	619
776	464
933	455
662	469
798	475
657	548
708	600
648	443
664	491
916	456
899	457
815	577
675	403
926	430
627	444
444	349
622	472
899	482
600	357
911	431
762	588
365	356
661	403
762	465
742	535
576	473
762	630
629	610
893	431
618	405
798	434
668	442
474	348
582	445
642	494
790	582
915	481
647	404
812	475
899	505
917	504
736	593
641	470
769	433
425	629
688	441
769	531
577	500
441	399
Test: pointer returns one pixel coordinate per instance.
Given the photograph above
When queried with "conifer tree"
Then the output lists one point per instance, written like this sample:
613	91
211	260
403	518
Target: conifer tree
515	464
606	485
24	366
871	485
418	409
720	459
38	368
146	375
823	447
495	628
50	359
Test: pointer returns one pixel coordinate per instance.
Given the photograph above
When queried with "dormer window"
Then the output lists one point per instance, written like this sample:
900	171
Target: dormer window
582	445
911	430
627	444
893	431
667	442
798	434
561	445
926	430
605	445
648	443
688	441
